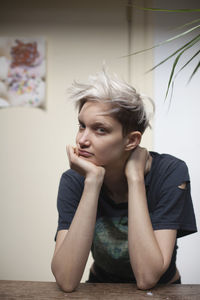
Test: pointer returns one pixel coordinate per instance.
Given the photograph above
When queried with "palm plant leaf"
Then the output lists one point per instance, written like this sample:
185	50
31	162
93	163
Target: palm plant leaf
165	42
177	59
173	82
179	51
195	70
188	24
188	62
194	40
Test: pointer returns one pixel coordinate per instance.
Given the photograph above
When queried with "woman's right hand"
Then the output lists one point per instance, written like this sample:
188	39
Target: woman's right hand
82	166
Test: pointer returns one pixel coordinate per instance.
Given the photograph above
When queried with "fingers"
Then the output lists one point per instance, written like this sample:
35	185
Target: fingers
67	149
71	153
72	150
140	153
75	161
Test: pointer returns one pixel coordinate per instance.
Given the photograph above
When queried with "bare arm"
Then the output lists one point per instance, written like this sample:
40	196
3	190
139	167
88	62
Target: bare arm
150	251
73	246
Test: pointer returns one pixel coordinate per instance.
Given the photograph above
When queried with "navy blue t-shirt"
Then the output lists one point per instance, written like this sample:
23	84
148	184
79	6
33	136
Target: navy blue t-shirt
170	207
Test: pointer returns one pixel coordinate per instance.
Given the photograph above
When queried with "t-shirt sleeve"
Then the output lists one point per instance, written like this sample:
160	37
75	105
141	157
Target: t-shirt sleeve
174	208
69	195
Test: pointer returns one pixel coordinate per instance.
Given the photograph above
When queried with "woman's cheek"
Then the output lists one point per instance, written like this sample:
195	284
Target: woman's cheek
105	158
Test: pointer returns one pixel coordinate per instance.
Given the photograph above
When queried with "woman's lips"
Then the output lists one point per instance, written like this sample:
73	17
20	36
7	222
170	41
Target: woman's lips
84	153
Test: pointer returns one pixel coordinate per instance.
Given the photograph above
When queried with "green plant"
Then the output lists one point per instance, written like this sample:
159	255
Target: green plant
186	29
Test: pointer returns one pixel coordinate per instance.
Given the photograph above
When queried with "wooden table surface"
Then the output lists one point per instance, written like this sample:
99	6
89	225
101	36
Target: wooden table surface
88	291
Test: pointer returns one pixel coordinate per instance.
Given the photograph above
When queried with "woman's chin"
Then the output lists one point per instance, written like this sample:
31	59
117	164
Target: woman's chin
92	160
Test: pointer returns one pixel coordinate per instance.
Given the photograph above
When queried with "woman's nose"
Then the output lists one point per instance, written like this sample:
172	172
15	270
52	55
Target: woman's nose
84	140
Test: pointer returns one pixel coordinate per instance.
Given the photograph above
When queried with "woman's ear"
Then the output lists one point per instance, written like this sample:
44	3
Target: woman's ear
133	139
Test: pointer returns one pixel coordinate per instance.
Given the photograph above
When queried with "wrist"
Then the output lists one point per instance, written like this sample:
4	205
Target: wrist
95	179
137	179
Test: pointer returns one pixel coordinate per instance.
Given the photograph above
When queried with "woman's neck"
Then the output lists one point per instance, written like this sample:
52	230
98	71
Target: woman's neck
115	184
115	181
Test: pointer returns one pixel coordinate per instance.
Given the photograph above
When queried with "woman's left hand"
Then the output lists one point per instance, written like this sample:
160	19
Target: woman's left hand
138	164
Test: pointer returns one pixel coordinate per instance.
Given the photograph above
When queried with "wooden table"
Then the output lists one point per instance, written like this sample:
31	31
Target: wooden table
88	291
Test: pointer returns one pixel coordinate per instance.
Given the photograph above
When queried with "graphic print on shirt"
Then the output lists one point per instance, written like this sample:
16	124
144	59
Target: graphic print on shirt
110	246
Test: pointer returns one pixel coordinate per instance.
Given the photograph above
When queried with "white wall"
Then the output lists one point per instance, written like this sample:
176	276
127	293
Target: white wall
176	129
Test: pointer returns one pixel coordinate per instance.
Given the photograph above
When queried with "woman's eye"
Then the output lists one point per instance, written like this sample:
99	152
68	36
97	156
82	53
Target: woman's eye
101	130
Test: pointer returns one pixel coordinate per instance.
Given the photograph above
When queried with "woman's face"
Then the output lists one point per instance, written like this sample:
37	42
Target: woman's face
100	139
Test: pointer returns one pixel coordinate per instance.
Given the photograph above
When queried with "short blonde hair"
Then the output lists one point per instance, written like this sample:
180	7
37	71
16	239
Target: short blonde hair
127	105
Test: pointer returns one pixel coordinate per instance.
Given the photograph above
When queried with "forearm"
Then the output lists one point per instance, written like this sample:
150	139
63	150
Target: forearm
145	255
69	261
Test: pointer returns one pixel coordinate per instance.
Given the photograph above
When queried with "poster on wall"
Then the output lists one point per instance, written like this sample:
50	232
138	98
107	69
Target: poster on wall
22	72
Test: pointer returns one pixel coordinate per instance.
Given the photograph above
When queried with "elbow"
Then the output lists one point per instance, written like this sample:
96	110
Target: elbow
145	285
147	279
64	284
146	282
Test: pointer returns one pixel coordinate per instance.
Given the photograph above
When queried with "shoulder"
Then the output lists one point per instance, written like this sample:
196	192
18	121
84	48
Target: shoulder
169	168
72	176
69	194
71	181
166	160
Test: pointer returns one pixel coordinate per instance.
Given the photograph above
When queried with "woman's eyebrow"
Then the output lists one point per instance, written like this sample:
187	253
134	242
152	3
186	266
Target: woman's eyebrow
96	123
104	124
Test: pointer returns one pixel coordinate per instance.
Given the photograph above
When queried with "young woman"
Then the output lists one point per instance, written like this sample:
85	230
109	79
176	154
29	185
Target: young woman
125	204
